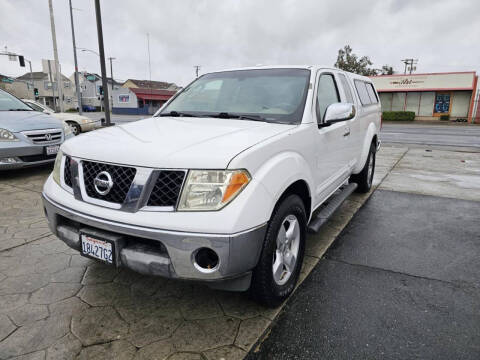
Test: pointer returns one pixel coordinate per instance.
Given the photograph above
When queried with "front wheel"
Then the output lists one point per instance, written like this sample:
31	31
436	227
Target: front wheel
364	179
281	259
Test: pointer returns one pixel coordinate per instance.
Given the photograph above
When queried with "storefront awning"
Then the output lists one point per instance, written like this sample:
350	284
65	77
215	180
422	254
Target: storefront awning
153	94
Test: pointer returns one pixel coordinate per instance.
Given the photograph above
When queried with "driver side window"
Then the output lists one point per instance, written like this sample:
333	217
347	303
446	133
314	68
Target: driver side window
327	93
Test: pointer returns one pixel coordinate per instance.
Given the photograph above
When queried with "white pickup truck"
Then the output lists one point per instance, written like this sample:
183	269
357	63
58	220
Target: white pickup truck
223	183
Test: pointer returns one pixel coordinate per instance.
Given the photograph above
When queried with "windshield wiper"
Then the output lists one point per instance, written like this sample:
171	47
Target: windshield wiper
19	110
226	115
177	114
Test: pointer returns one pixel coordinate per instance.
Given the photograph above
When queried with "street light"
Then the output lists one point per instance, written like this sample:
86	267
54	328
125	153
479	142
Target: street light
92	51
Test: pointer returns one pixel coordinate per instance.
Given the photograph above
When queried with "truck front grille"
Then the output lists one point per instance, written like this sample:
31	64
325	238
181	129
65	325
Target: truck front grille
167	188
122	177
67	172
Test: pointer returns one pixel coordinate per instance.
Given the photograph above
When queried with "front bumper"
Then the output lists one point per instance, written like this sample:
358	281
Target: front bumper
92	125
24	154
161	252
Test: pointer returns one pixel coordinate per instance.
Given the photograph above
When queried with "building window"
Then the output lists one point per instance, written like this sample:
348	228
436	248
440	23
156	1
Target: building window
426	103
398	101
413	102
386	101
66	84
123	98
442	103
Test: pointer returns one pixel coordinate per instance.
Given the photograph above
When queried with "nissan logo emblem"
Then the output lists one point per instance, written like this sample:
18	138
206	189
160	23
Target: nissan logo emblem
103	183
48	137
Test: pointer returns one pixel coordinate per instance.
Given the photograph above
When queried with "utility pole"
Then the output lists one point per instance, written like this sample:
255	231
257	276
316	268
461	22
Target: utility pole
31	78
102	62
111	76
197	68
410	65
150	73
77	84
55	54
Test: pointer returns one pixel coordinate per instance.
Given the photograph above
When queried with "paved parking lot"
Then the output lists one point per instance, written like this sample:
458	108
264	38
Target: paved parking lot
402	279
56	304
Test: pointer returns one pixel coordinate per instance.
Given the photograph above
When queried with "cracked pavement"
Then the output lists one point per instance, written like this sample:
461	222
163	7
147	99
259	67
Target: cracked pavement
56	304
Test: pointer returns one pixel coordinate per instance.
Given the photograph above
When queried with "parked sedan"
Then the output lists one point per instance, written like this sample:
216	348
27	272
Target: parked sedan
27	137
77	122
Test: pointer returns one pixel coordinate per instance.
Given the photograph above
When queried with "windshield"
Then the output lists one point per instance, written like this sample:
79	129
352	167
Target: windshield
11	103
272	95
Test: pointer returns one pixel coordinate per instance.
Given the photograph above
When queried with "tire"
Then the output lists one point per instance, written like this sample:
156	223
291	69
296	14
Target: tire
268	288
76	129
364	179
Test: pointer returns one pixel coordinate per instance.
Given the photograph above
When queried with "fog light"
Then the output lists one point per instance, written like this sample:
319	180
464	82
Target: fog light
206	260
9	160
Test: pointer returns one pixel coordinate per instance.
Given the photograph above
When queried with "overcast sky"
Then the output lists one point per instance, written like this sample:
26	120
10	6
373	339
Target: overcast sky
216	34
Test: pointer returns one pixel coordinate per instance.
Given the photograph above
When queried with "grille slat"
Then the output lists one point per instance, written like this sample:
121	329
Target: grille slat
67	172
122	177
167	188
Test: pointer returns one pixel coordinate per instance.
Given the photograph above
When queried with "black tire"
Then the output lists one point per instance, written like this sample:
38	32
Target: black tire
363	179
264	289
76	129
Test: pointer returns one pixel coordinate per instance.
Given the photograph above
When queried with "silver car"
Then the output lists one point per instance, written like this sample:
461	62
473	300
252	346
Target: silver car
27	137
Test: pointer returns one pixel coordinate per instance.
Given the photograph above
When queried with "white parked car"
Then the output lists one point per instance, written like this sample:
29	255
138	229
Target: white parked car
78	123
222	184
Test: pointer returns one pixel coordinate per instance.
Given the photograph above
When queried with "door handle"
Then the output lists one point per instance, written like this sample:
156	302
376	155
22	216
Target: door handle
346	132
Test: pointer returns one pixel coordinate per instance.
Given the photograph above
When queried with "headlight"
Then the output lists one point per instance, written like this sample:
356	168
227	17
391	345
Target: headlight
67	130
57	166
6	135
207	190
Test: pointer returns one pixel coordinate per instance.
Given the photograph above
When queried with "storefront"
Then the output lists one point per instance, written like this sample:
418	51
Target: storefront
429	95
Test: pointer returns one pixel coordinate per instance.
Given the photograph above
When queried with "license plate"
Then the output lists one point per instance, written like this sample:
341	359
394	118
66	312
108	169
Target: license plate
52	150
97	249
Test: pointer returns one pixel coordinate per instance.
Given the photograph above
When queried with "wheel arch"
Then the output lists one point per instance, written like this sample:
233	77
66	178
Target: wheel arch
300	188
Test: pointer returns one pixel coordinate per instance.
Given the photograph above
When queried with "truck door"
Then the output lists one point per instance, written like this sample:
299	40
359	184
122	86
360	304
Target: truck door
332	141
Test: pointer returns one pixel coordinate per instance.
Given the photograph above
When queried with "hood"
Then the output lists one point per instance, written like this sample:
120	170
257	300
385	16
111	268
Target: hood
17	121
173	142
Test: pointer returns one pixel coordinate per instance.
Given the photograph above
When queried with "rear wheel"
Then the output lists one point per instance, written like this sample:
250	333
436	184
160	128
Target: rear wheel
364	179
281	259
75	127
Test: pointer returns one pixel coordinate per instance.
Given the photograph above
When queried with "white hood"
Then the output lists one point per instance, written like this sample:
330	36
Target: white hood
173	142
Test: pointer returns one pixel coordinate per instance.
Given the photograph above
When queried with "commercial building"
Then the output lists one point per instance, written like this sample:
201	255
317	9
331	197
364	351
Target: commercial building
138	97
430	95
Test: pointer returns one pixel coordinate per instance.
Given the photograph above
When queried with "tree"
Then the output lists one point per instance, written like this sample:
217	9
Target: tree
387	70
348	61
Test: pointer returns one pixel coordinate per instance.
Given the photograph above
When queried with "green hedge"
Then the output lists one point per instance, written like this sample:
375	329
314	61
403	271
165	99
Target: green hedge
398	115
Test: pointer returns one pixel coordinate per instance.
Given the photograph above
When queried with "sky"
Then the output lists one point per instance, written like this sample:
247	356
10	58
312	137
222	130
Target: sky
219	34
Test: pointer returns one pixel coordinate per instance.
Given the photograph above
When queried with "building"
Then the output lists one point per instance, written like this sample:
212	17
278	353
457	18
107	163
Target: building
137	97
430	95
91	89
18	88
45	90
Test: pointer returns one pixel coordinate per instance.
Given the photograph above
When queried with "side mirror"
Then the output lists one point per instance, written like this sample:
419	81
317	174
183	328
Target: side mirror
339	112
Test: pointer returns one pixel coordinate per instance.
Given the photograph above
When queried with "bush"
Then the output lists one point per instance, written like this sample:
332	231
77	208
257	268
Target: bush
398	115
445	117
